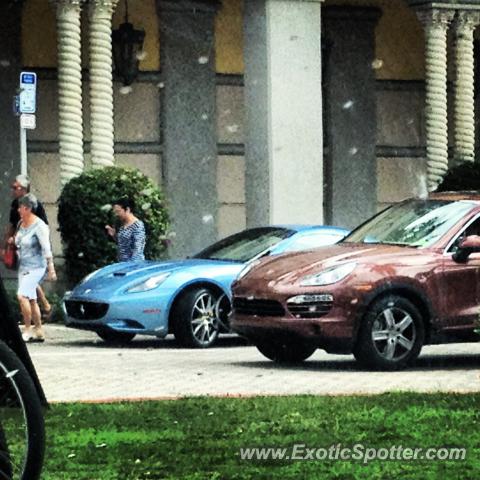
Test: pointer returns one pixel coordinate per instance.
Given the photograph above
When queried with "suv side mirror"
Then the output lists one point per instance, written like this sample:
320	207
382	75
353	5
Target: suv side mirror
467	246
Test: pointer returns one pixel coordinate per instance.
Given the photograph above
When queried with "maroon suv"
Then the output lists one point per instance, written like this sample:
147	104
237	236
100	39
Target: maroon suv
407	277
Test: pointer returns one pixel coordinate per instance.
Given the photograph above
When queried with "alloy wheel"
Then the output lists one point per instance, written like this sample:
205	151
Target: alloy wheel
204	320
394	334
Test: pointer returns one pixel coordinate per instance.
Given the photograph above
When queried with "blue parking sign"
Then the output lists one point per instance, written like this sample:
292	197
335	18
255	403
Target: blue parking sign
28	92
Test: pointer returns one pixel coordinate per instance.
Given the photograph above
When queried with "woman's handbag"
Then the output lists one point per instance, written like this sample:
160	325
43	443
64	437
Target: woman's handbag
10	258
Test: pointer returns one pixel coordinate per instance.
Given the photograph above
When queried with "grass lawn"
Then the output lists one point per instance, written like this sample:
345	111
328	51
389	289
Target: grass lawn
200	438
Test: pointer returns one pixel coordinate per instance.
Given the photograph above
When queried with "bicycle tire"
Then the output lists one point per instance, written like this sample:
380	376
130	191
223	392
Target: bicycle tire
22	438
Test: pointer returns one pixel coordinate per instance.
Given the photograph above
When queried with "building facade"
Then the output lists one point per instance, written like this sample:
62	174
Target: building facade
246	112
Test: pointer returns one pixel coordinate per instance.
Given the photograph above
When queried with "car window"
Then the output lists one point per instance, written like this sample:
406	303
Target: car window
415	223
472	228
312	240
245	245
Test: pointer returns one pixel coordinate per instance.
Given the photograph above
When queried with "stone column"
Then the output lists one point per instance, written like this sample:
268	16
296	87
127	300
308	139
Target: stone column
465	24
436	24
10	66
350	114
283	101
69	88
189	121
101	82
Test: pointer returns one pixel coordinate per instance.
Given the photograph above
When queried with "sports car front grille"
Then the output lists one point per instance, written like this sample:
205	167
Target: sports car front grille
309	309
85	310
258	306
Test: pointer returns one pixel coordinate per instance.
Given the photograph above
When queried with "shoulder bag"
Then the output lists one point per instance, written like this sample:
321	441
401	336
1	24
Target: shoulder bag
10	258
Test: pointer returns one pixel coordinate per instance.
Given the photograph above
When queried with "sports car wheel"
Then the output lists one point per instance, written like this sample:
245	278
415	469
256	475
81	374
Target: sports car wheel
110	336
391	335
195	323
286	352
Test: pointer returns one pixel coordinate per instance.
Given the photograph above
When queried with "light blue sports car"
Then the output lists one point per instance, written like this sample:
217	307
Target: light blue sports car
191	297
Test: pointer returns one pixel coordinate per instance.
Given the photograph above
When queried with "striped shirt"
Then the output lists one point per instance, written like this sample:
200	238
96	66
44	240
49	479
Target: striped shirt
131	242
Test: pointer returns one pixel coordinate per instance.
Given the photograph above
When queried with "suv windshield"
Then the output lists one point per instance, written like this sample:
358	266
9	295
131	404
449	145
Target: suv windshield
415	223
245	245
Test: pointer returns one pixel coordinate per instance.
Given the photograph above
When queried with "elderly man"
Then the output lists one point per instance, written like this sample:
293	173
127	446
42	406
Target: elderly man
19	188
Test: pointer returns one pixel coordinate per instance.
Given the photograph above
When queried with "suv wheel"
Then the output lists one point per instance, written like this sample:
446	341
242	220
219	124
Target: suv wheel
286	352
391	335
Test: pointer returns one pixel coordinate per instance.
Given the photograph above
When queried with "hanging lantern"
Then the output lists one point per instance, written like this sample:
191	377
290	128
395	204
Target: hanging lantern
127	46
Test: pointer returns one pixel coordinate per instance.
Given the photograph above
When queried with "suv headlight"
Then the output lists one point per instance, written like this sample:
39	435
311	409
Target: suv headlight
327	277
149	284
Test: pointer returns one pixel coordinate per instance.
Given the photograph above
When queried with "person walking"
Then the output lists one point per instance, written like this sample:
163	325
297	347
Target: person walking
32	240
19	188
130	237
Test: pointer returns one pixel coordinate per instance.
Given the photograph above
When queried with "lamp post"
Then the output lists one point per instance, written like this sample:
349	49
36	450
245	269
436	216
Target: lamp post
127	44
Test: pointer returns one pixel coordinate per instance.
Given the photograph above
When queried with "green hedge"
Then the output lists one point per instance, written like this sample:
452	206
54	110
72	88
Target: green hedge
85	209
465	176
55	301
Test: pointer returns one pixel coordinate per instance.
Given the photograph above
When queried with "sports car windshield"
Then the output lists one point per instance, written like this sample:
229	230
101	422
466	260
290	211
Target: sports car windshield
415	223
245	245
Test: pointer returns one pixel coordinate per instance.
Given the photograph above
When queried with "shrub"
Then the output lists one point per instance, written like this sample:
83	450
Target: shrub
55	301
465	176
85	208
14	305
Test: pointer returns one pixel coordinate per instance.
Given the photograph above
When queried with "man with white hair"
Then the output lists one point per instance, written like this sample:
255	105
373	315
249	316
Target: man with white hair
20	187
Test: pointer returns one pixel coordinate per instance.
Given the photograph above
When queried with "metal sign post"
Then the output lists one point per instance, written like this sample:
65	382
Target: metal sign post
23	151
27	107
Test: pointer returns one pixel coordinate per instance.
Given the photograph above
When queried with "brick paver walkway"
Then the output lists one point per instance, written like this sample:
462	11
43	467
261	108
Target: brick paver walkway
74	365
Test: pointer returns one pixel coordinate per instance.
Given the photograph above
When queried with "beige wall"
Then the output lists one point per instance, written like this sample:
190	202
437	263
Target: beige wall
399	39
231	195
400	118
230	169
39	45
399	56
39	37
229	37
39	42
399	179
399	43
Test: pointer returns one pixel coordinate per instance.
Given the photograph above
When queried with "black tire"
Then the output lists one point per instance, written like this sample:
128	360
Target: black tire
286	352
223	308
112	337
391	335
22	442
195	324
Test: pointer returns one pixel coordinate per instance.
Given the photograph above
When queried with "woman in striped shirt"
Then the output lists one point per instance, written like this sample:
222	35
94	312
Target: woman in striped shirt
130	237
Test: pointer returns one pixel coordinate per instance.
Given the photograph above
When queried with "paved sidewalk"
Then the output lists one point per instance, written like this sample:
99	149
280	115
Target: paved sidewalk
74	365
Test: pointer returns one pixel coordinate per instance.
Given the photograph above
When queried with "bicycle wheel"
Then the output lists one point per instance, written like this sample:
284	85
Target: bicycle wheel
22	436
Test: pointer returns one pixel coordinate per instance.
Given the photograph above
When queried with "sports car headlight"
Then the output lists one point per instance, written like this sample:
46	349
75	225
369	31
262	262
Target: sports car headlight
327	277
149	284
